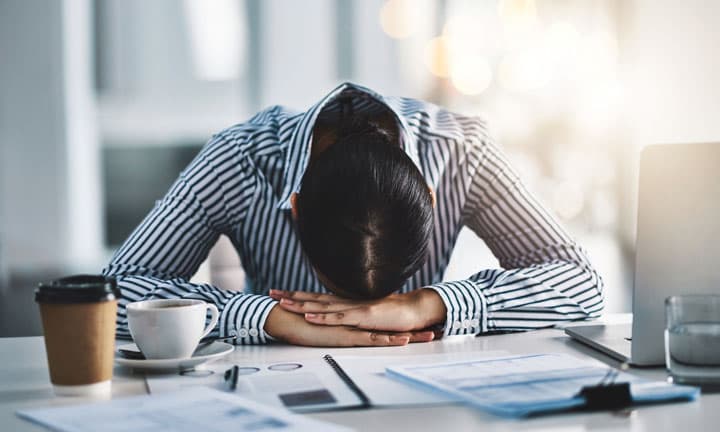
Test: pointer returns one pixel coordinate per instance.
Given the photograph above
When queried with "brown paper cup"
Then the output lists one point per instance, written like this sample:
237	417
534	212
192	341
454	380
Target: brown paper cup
80	344
80	341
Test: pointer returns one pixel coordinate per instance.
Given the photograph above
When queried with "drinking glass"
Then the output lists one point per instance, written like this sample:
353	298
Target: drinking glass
692	338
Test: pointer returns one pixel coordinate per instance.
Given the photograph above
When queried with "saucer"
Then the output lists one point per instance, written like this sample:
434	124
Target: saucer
206	354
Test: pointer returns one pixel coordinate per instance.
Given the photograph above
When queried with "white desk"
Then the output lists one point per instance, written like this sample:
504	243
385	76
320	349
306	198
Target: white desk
24	383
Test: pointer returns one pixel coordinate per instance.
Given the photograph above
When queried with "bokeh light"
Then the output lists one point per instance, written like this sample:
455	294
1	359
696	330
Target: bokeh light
471	75
400	18
562	41
436	56
519	22
524	71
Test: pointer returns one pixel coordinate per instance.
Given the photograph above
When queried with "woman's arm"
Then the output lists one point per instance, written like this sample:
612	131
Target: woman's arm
545	276
210	197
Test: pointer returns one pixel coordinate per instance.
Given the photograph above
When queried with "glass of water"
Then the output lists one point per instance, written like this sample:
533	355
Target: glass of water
692	338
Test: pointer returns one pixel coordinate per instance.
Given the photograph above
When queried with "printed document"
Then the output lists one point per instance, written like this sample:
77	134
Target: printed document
191	410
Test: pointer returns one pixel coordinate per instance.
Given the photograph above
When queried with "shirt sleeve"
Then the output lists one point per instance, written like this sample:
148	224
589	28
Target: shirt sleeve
545	277
210	197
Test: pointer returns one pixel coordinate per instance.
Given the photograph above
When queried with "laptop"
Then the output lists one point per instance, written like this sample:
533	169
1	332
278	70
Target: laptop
677	248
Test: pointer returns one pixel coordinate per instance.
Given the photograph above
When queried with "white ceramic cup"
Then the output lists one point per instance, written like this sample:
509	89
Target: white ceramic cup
169	329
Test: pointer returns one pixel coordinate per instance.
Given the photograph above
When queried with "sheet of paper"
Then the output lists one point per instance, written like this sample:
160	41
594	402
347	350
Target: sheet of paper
198	409
310	385
522	385
369	374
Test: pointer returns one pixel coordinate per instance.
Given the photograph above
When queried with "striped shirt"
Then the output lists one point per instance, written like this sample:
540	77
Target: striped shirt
240	184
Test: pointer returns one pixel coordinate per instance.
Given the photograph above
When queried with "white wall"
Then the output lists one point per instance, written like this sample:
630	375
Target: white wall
49	206
293	73
32	165
672	68
671	93
377	61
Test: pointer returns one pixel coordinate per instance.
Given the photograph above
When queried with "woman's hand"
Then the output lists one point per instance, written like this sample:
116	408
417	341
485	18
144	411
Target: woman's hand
416	310
293	328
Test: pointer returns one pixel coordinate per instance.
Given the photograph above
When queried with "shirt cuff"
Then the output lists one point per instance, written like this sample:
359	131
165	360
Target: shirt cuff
466	307
245	316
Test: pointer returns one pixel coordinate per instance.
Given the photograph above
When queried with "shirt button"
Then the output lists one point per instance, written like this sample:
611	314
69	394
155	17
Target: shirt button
466	323
253	332
243	333
475	323
457	325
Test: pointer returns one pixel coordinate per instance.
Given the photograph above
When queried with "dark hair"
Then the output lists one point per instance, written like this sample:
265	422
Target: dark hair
364	213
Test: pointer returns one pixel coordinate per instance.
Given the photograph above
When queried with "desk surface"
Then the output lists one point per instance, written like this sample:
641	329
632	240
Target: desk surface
24	383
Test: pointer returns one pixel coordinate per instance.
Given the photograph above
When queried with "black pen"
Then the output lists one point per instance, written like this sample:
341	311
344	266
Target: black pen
499	332
231	377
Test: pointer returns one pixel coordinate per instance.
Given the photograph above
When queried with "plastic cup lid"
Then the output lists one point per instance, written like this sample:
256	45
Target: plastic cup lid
78	289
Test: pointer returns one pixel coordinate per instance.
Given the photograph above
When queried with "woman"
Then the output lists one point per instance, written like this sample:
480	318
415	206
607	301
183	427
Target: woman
345	217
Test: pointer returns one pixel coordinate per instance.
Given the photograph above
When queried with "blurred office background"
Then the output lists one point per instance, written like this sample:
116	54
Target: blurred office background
103	102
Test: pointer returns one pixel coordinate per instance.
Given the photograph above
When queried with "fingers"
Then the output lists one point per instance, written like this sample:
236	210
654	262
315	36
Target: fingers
302	302
341	336
364	338
348	337
294	329
354	318
391	339
302	296
422	336
350	317
315	307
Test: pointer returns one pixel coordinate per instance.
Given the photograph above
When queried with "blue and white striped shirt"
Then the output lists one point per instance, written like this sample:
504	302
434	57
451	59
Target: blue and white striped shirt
240	185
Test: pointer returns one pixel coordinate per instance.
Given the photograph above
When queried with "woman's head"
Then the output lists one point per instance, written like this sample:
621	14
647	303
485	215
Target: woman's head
364	213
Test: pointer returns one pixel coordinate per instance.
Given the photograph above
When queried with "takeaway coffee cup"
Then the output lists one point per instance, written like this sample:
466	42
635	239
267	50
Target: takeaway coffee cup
170	329
78	317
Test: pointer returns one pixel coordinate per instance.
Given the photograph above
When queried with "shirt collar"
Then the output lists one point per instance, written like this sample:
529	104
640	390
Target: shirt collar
298	154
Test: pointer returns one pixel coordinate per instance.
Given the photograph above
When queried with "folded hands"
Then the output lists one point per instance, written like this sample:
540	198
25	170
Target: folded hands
327	320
